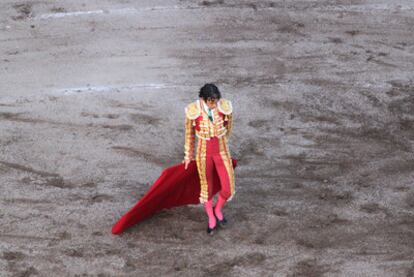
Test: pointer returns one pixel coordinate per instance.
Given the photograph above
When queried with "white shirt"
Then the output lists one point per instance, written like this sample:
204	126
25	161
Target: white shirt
206	109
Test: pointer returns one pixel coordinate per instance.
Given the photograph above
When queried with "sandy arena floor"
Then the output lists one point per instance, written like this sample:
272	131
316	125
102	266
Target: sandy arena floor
92	97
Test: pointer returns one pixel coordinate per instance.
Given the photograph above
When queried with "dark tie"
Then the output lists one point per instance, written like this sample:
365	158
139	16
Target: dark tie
210	115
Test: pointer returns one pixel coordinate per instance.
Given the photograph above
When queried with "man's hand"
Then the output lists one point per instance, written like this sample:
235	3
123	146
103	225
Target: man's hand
186	163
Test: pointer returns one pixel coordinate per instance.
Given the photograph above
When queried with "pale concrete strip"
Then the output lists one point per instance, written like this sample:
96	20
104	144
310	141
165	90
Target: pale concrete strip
103	88
122	11
367	7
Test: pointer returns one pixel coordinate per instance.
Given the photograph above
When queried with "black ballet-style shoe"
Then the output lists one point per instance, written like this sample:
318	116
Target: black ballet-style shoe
212	231
222	223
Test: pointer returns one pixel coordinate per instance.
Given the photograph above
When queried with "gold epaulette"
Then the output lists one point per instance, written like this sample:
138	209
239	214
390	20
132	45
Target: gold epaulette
192	111
225	106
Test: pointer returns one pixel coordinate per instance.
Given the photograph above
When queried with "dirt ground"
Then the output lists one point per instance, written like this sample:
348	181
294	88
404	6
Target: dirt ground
92	97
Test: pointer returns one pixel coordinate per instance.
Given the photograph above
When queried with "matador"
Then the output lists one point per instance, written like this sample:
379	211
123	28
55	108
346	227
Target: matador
210	120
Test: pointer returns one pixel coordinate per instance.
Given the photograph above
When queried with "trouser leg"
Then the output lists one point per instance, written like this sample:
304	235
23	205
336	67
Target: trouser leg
208	206
205	165
209	171
224	177
209	176
228	164
219	205
225	191
201	168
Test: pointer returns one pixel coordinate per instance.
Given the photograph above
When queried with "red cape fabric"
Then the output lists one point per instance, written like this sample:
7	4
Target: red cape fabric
175	187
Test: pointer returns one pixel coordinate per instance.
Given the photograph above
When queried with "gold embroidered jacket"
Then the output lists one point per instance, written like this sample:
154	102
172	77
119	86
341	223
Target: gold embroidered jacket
198	125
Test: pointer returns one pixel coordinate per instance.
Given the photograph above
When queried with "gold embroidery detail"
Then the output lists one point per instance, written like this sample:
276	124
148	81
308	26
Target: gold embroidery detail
201	166
229	125
225	106
225	154
189	139
210	129
192	111
207	130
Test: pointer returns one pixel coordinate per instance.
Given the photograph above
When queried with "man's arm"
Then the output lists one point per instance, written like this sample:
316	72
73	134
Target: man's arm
229	124
189	139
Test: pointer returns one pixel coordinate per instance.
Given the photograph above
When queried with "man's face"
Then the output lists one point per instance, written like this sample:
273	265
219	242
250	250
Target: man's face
211	102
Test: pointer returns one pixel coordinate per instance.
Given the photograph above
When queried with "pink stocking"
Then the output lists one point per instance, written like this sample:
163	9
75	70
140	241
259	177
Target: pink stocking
209	210
219	205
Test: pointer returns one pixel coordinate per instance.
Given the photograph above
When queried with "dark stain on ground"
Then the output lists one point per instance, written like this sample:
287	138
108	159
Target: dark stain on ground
102	198
249	149
47	178
24	11
320	239
375	135
396	235
212	3
385	134
223	268
327	220
58	182
111	252
409	199
30	271
308	112
398	167
317	169
373	208
288	26
64	235
27	201
78	253
89	185
28	169
403	106
97	233
336	40
323	83
373	99
261	124
332	196
246	81
120	127
130	265
379	62
133	152
309	268
144	119
109	116
253	5
279	211
13	256
58	10
134	106
410	271
16	117
353	32
265	236
400	88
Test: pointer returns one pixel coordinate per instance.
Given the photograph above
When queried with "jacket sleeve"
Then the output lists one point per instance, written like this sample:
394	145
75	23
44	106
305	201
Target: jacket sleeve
189	139
229	125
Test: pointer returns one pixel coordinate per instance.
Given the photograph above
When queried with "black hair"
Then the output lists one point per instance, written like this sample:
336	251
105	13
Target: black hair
209	91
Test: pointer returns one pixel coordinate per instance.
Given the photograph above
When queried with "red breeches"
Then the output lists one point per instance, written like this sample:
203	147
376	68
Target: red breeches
214	155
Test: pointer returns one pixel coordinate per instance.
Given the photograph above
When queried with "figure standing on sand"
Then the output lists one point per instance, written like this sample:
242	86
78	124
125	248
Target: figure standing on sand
210	119
194	182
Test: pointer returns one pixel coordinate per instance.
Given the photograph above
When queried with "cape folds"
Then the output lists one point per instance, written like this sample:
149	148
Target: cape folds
175	186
